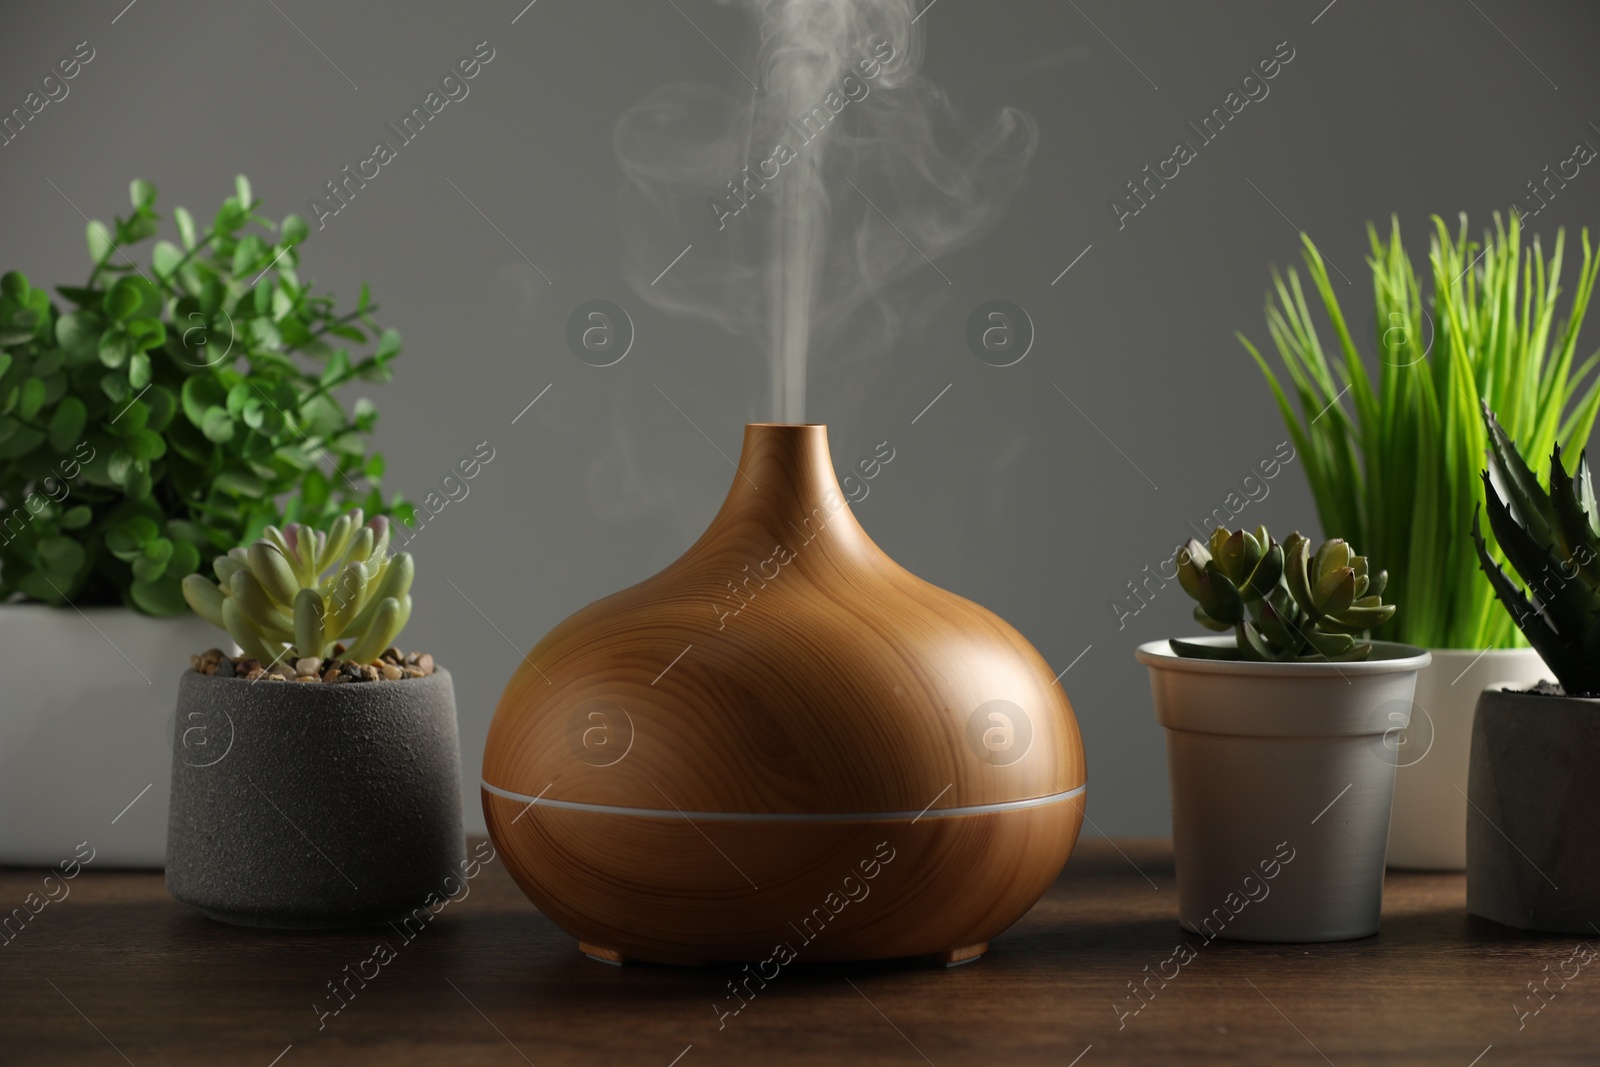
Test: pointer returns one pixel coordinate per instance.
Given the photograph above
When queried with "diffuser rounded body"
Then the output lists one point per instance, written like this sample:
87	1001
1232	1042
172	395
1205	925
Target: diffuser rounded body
783	745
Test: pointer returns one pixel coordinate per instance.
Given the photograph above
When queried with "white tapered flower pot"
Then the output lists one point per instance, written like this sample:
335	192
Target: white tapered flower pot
86	710
1281	788
1429	827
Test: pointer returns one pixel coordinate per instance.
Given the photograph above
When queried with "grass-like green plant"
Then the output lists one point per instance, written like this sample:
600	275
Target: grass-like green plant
1400	475
166	412
296	592
1283	602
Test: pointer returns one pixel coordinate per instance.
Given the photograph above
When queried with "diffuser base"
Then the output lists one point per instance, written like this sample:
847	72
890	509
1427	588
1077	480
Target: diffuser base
957	956
953	958
636	887
602	955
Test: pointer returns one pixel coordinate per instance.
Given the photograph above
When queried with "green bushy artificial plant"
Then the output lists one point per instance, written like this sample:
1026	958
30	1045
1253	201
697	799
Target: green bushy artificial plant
177	408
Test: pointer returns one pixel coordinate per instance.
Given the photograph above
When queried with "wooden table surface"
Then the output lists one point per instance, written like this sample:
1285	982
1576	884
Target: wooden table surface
119	972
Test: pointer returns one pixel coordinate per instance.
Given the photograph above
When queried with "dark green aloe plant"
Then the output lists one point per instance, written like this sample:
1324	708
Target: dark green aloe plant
1282	602
1552	540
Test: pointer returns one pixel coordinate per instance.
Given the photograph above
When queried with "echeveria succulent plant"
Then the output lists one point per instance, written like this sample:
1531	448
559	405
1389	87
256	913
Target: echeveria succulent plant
297	591
1550	537
1281	601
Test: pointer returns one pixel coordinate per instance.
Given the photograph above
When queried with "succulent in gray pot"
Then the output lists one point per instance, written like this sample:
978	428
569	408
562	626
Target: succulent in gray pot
315	783
1279	738
1534	797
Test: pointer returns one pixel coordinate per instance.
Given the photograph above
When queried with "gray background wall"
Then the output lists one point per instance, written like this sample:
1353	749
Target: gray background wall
1002	491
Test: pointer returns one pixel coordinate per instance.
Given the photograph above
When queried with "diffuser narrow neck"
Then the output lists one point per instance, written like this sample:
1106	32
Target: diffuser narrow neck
785	480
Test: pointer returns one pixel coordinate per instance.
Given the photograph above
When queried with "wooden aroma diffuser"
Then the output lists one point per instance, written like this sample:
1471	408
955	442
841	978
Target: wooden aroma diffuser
783	746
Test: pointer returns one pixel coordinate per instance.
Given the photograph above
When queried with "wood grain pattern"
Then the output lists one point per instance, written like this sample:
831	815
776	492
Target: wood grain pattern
169	988
784	665
846	683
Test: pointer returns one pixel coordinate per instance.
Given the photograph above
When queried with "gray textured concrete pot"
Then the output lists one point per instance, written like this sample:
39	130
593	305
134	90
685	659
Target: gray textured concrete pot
311	805
1532	857
1282	779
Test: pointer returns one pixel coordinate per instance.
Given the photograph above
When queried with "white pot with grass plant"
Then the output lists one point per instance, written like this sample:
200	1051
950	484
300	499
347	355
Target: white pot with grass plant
1392	442
1281	783
148	418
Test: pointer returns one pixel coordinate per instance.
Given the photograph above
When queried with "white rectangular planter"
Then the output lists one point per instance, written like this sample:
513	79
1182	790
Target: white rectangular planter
87	708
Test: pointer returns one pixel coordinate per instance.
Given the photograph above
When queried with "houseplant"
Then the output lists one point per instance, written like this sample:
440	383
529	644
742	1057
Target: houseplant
361	763
159	415
1534	795
1399	475
886	768
1275	738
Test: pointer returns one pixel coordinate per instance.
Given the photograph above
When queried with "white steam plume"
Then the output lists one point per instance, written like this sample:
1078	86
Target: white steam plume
786	252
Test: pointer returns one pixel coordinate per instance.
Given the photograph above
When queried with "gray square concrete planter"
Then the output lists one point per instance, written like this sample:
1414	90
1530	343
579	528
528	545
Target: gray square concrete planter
1282	780
311	805
1532	857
